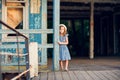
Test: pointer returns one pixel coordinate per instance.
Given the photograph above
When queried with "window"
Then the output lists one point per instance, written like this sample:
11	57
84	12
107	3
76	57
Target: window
15	14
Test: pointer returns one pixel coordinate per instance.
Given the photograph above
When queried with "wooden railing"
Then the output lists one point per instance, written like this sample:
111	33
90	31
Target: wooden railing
21	74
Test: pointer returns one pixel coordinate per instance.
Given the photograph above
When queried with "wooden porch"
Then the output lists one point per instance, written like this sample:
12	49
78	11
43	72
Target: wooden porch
85	69
102	68
80	75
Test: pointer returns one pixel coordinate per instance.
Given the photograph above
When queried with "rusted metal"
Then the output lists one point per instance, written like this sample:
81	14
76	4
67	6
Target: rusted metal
26	45
13	29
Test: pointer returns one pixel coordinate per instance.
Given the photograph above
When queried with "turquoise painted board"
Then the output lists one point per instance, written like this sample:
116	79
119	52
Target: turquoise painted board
35	23
0	15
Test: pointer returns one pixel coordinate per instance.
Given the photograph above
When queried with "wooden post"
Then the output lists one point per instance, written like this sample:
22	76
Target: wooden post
92	30
0	41
44	35
56	21
33	56
1	67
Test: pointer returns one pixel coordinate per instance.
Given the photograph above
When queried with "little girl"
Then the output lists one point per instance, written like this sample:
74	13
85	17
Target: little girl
64	52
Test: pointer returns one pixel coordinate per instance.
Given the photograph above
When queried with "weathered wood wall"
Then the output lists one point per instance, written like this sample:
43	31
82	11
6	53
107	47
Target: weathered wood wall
37	28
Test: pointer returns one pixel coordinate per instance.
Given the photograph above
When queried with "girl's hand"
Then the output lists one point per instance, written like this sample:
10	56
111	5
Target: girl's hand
59	42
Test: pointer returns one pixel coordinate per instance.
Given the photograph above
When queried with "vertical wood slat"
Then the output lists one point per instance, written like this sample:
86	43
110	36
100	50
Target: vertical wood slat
92	30
33	56
44	36
56	21
0	40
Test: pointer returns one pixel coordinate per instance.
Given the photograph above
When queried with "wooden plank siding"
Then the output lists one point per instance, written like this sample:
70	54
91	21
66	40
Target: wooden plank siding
80	75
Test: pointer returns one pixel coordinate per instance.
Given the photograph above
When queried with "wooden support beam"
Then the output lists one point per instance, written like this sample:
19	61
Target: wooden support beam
56	22
83	8
87	1
92	31
44	35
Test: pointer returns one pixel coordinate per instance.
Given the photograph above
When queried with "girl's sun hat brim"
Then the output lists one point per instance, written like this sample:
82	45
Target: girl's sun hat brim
63	26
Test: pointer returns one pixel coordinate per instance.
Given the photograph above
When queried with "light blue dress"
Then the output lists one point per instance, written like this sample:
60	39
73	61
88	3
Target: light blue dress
64	52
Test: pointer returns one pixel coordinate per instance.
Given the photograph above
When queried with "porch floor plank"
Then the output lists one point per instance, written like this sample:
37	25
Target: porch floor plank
72	75
80	75
93	75
51	76
58	76
107	75
44	76
86	75
113	75
100	75
65	75
117	73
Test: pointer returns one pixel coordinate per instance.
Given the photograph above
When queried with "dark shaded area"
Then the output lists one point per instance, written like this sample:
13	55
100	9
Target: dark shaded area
76	16
19	26
9	76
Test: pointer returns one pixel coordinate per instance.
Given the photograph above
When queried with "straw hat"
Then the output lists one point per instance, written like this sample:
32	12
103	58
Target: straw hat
63	26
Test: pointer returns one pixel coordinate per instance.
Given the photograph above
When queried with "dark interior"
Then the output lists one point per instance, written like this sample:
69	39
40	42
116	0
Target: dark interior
76	16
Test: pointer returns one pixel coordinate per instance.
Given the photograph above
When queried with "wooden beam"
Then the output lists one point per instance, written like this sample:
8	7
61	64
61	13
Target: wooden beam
92	30
32	31
56	22
44	35
87	1
83	8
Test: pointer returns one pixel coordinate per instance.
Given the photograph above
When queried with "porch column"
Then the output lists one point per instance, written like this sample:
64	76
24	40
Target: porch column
92	31
56	22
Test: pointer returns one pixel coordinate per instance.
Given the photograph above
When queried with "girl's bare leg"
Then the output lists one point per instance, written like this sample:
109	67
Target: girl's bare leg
66	65
61	65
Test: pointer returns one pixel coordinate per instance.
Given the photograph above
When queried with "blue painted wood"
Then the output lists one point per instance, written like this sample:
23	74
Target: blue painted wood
56	21
34	23
44	26
32	31
37	27
23	46
0	15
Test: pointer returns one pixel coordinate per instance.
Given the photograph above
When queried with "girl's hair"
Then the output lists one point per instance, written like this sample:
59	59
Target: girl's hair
65	29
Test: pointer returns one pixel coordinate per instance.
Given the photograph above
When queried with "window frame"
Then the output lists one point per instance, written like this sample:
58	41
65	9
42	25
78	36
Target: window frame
6	38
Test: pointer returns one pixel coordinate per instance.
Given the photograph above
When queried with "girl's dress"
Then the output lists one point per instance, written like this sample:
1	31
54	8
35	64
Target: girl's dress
64	52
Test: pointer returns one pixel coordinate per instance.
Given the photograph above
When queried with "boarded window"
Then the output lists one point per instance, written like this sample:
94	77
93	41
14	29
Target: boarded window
15	15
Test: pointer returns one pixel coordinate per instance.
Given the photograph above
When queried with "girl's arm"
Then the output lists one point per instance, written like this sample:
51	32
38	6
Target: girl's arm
65	42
